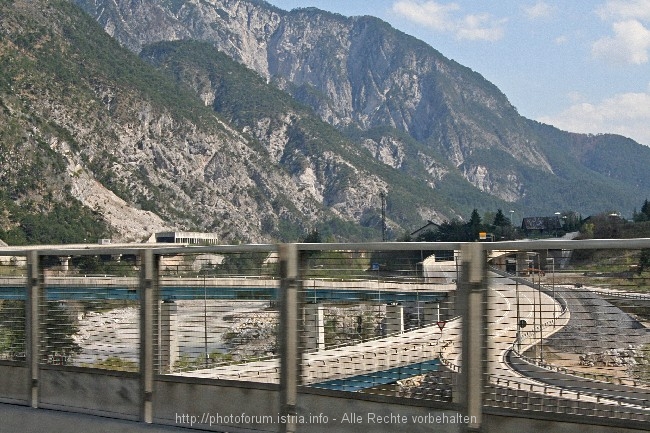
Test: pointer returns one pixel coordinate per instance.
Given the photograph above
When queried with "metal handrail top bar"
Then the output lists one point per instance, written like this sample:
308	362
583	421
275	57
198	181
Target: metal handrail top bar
134	248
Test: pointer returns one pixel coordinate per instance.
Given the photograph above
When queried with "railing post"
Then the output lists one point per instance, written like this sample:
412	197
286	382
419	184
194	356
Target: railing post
148	284
472	298
32	328
289	351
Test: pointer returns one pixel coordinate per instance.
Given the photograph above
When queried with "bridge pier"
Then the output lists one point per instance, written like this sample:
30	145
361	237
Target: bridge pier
169	348
314	320
65	263
431	313
394	319
522	265
448	306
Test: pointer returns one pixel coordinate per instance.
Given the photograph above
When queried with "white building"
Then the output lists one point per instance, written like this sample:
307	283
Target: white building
187	238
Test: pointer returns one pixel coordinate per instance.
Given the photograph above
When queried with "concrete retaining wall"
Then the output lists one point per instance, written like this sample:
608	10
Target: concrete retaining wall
14	383
90	391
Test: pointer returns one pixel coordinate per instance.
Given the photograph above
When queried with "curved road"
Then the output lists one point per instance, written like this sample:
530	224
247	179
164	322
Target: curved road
537	307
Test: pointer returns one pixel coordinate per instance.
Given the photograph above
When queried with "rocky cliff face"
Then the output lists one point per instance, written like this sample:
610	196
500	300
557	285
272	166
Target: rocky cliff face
360	74
353	71
322	114
145	154
211	178
332	169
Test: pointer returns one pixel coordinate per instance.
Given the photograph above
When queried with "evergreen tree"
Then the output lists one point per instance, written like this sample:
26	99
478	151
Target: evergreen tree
645	209
449	231
474	220
500	219
12	329
59	346
644	260
313	237
644	215
246	263
57	343
473	227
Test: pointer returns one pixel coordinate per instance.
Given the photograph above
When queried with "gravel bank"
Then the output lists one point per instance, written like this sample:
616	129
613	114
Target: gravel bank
596	325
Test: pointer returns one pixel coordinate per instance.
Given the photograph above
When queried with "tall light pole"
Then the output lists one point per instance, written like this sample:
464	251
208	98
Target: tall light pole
383	216
539	301
205	320
539	296
552	260
518	308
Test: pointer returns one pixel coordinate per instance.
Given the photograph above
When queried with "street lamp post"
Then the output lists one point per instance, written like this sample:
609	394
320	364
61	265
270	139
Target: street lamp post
383	216
205	320
539	296
518	310
552	260
539	301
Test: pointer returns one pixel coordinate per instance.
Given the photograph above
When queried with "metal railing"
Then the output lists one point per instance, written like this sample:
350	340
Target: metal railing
373	321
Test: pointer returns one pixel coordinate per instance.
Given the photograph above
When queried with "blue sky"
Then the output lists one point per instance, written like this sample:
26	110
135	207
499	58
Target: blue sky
583	66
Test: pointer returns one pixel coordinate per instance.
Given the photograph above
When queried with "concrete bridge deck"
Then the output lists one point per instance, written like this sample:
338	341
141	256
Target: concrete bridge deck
400	350
75	282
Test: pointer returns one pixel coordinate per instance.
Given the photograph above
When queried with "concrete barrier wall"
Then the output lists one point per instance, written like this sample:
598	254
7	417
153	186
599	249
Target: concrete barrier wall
213	406
22	418
197	403
25	419
516	423
90	391
323	413
14	383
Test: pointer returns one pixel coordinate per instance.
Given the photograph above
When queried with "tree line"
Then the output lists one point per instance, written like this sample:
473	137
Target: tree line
500	228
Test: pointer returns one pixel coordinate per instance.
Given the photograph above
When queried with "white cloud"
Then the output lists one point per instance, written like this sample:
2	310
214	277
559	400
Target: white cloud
629	44
448	18
625	9
561	40
576	97
430	14
630	41
627	114
538	10
480	28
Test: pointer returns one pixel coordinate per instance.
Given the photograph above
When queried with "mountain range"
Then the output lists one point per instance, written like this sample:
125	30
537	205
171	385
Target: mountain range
259	124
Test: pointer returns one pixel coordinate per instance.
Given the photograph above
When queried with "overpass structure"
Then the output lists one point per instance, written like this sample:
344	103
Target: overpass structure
398	350
477	349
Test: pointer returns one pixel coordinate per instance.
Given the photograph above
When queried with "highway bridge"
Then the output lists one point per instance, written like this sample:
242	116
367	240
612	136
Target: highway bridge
200	287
